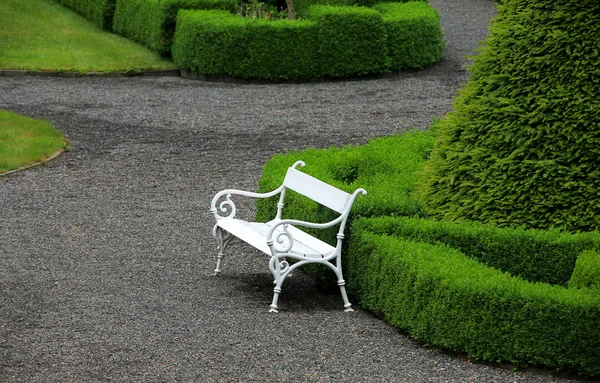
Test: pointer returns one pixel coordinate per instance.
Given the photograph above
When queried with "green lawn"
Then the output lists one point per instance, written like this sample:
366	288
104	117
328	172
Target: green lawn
25	141
42	35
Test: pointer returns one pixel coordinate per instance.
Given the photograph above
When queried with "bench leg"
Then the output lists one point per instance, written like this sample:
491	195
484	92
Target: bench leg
223	238
347	304
280	270
274	308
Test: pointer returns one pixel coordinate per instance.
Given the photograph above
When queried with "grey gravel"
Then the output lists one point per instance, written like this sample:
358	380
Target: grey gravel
106	255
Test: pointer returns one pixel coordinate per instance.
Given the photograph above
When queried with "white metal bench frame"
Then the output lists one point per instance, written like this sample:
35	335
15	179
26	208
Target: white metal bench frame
280	238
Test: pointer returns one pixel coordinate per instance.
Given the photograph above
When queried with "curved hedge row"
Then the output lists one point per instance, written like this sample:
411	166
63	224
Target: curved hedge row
152	22
332	41
449	300
100	12
495	294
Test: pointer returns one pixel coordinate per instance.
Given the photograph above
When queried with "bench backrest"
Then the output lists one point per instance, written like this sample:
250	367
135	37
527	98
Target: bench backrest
317	190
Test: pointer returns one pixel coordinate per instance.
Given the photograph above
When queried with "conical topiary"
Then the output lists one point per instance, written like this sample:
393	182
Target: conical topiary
522	146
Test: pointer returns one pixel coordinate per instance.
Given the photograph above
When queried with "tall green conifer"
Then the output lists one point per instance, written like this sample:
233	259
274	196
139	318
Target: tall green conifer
522	146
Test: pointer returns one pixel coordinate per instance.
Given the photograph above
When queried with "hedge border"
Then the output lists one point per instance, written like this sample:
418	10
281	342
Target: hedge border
516	321
152	23
100	12
350	41
446	299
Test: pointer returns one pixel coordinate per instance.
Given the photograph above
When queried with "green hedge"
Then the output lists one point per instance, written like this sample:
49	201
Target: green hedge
302	6
332	41
217	43
495	294
521	147
587	271
546	256
414	35
446	299
352	40
100	12
152	22
385	167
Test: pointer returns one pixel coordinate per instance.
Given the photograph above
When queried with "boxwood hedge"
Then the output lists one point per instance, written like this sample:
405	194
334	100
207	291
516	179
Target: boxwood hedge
100	12
332	41
217	43
413	34
152	22
496	294
447	299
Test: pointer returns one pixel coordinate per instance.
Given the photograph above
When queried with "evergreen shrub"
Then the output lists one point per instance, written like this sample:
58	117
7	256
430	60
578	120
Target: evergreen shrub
385	167
152	22
219	43
100	12
444	298
587	271
545	256
521	147
414	37
332	41
352	40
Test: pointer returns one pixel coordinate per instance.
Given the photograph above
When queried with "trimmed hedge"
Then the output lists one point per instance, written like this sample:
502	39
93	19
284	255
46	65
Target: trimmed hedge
217	43
414	36
333	41
302	6
534	255
385	167
100	12
495	294
446	299
587	272
521	147
352	40
152	22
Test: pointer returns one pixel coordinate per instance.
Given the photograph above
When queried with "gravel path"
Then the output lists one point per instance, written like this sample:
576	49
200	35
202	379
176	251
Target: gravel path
106	256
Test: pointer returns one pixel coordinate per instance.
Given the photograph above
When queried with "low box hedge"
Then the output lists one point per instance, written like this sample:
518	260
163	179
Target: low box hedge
587	272
447	299
351	40
414	37
385	167
100	12
546	256
219	43
152	22
495	294
333	41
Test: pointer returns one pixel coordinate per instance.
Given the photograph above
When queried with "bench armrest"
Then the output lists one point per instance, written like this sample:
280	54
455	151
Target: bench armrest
228	205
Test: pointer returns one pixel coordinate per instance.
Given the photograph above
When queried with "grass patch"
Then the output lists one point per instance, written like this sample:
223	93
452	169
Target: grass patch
41	35
25	141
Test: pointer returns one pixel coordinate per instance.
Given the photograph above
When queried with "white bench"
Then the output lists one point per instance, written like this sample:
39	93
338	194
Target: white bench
281	238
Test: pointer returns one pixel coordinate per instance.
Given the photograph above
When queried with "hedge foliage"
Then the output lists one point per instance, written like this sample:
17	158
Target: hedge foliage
100	12
217	43
332	41
414	39
446	299
545	256
385	167
521	147
496	294
587	271
352	40
152	22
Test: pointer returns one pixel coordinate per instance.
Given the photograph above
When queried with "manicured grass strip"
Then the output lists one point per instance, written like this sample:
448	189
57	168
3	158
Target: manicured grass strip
42	35
26	141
